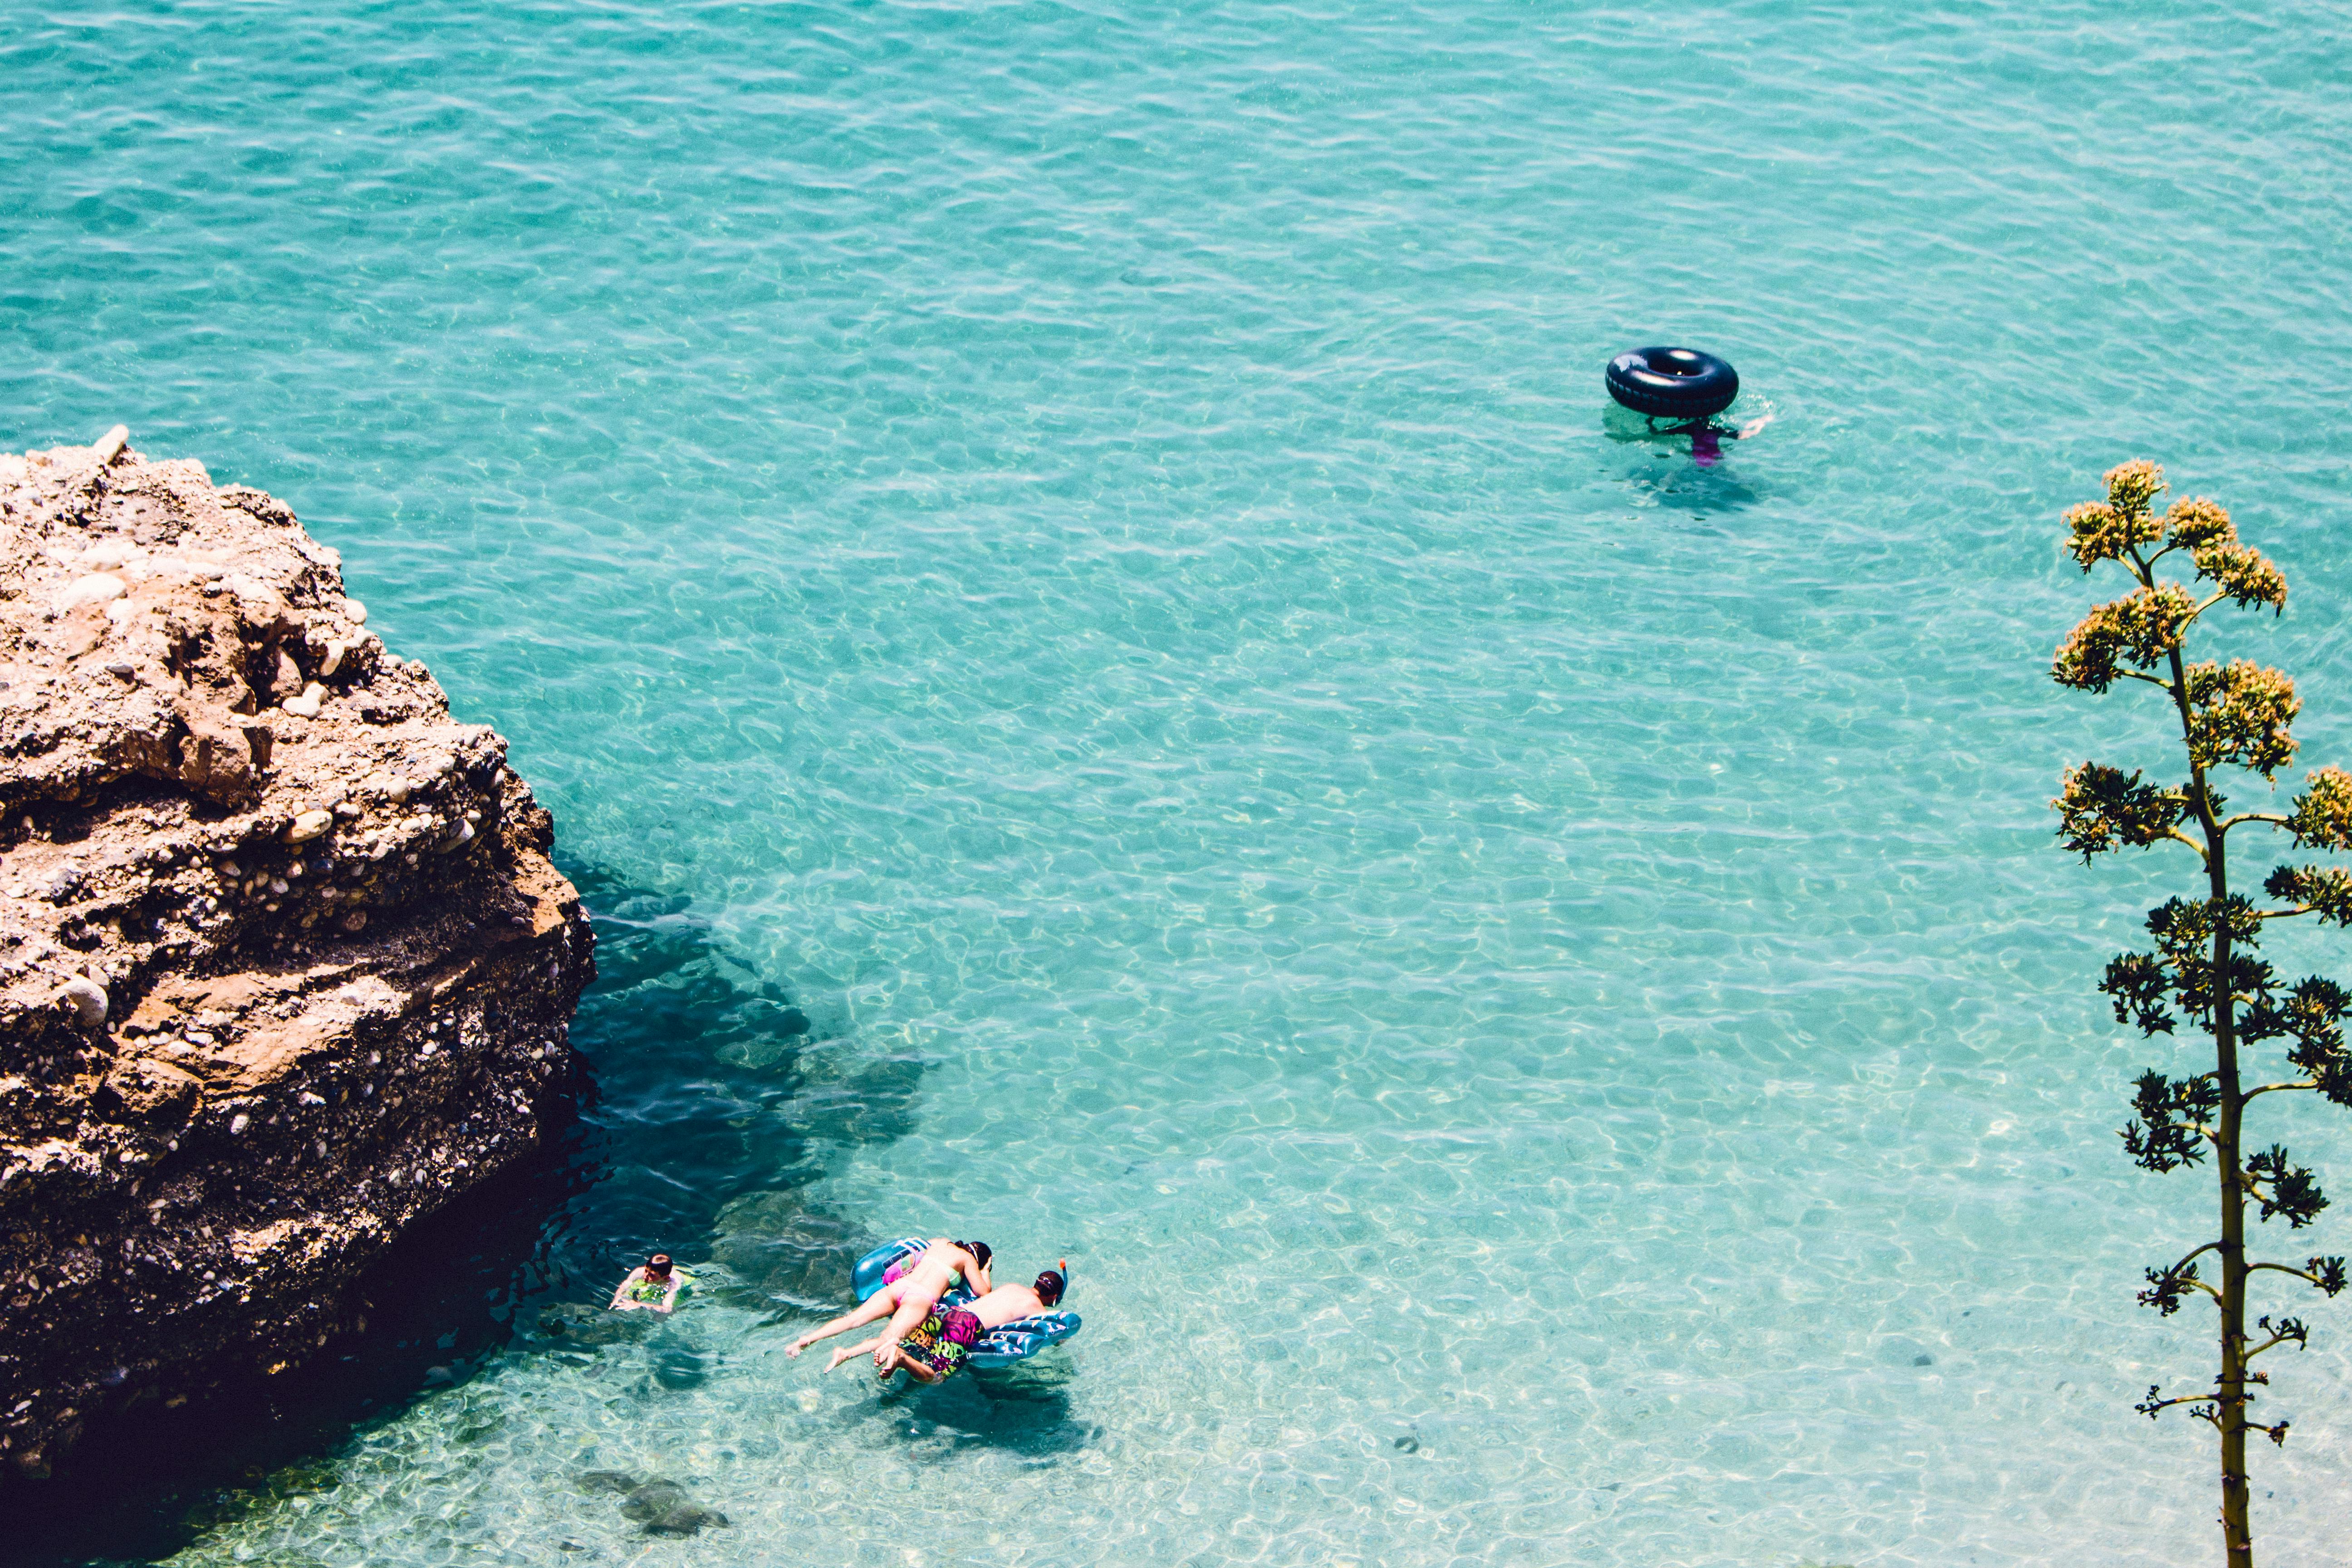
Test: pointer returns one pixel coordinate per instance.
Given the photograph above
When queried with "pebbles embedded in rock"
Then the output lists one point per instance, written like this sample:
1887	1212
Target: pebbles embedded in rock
355	612
94	589
306	705
392	787
308	825
334	661
354	919
123	669
88	999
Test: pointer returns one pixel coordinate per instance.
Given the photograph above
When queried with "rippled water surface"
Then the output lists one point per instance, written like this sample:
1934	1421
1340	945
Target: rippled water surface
1114	690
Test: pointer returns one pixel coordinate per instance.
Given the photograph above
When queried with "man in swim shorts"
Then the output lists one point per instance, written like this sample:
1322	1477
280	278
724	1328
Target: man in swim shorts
943	1340
932	1273
935	1351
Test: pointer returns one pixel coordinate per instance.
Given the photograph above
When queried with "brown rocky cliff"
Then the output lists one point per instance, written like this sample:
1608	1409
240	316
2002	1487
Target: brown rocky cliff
284	965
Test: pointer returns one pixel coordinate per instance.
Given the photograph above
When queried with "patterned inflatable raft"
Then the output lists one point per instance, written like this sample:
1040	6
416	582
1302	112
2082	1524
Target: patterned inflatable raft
1017	1341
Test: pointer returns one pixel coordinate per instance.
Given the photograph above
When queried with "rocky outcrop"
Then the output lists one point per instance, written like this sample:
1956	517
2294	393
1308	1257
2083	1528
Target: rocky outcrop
284	965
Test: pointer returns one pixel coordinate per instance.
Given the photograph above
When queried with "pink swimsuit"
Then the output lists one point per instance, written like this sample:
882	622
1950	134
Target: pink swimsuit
906	1266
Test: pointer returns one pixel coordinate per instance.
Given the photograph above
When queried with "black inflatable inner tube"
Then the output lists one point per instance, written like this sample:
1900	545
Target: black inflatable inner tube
1678	384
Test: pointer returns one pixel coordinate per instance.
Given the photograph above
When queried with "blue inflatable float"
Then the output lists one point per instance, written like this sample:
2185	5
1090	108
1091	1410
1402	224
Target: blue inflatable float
1017	1341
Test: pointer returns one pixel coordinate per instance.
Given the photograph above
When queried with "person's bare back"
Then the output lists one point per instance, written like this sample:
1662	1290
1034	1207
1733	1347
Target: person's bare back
1009	1303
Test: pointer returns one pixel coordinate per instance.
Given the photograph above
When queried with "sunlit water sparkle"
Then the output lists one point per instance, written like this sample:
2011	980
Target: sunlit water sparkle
1063	573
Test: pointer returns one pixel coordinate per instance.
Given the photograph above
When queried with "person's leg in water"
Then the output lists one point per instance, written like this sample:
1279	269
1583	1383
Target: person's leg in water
899	1361
882	1301
851	1352
895	1360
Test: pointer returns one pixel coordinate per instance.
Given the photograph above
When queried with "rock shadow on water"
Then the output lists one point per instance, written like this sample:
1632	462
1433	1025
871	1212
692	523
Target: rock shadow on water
716	1107
704	1104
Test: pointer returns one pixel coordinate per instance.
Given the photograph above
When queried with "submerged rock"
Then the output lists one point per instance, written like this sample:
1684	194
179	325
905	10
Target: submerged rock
660	1504
284	966
664	1507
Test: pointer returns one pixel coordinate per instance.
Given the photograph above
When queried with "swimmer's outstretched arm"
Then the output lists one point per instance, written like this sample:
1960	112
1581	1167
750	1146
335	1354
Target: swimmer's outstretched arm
628	1279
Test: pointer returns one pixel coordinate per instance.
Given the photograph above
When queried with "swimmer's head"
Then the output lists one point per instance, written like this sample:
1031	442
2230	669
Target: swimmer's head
657	1266
1050	1287
980	1250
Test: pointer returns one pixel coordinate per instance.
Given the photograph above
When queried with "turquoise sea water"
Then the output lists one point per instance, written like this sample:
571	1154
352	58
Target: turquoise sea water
1114	690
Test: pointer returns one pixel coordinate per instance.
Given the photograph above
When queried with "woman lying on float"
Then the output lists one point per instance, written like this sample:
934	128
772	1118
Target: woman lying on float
939	1344
911	1290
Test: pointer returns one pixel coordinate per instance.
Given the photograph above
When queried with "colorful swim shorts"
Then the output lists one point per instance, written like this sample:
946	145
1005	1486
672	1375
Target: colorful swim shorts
943	1341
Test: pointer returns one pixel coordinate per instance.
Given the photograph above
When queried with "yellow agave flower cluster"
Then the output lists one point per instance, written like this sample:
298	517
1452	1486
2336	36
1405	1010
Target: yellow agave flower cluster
2240	712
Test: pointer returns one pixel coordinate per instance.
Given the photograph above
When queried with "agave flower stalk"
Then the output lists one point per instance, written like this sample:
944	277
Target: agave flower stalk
2205	965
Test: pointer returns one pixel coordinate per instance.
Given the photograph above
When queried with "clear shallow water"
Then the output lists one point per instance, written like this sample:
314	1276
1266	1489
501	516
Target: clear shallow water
1065	574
